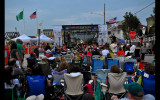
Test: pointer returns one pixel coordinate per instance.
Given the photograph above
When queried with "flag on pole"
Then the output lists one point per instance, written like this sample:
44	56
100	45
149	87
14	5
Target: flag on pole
33	15
113	20
40	24
19	16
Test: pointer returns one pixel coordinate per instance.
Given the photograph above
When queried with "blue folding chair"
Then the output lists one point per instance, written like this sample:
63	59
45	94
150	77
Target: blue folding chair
111	61
129	67
97	64
148	83
102	74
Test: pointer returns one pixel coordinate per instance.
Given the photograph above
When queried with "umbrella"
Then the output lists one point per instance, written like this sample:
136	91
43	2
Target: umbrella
121	41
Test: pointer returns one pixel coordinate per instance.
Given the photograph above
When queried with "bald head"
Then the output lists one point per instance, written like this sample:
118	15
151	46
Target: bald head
12	61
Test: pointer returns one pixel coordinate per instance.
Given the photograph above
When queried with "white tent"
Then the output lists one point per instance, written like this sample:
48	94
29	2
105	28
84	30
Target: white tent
23	37
43	38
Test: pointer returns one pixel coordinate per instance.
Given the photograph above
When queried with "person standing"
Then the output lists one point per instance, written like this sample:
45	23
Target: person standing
115	47
47	47
105	51
20	49
144	50
132	49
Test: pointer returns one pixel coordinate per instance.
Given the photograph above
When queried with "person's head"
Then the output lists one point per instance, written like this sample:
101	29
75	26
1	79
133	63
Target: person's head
33	55
120	48
105	66
18	41
8	75
74	68
48	44
63	59
144	45
115	69
44	58
12	62
88	96
63	65
36	69
13	45
127	49
109	55
50	54
149	68
135	91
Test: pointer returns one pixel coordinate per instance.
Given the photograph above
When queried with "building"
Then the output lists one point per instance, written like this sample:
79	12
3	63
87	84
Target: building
49	33
150	26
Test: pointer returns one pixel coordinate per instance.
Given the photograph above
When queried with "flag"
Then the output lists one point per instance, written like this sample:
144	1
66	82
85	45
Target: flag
33	15
40	24
113	20
19	16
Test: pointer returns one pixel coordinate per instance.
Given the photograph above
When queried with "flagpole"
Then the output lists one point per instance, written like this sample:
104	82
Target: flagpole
36	19
23	21
37	29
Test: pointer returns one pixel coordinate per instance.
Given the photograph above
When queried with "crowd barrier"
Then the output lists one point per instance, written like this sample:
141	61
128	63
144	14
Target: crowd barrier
7	52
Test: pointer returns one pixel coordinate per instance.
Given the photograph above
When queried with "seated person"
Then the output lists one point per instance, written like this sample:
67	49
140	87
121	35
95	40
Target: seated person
147	79
31	60
115	81
58	74
10	83
36	83
47	53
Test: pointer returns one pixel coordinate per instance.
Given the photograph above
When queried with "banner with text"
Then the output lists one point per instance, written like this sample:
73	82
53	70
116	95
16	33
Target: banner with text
103	34
58	35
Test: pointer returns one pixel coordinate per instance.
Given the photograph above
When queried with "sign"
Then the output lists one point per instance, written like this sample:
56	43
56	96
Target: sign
102	38
81	27
132	34
58	35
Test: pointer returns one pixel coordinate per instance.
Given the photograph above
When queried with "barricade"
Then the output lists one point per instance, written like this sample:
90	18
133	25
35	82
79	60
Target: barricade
7	52
97	64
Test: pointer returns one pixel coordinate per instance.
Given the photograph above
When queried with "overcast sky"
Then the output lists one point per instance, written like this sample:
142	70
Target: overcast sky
67	12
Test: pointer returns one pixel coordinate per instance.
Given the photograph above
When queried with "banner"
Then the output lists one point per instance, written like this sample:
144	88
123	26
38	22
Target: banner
102	36
58	35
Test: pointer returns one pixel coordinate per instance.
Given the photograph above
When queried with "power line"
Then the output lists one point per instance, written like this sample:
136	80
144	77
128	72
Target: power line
144	8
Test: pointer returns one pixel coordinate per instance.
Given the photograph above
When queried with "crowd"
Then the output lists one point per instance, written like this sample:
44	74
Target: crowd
48	66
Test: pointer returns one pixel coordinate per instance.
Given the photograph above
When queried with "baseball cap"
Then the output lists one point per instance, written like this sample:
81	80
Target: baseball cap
135	89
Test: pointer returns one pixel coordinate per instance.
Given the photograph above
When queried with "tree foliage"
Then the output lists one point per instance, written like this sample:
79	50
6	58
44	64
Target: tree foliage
131	23
153	18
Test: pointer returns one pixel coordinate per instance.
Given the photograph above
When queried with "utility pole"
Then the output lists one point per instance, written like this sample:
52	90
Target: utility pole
104	13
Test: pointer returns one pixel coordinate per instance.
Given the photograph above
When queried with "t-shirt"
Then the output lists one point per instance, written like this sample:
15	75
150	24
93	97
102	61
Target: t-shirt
132	48
114	47
19	48
120	53
13	54
105	52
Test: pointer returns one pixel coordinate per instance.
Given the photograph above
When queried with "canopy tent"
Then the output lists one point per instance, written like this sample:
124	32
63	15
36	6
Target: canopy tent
23	37
43	38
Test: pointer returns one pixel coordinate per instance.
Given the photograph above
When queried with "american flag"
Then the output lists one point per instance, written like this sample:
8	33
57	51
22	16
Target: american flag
33	15
113	20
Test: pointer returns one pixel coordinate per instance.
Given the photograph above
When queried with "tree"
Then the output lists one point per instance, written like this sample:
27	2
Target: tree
152	29
131	23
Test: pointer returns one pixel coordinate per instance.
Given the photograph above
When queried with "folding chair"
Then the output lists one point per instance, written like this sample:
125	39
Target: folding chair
45	68
148	83
87	60
116	82
112	61
129	67
73	86
58	82
68	58
149	58
97	64
102	74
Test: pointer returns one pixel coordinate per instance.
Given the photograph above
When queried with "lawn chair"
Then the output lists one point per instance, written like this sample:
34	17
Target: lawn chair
97	64
102	74
73	86
112	61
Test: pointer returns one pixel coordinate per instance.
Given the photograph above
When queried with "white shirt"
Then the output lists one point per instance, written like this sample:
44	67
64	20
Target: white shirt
132	48
114	47
105	52
126	52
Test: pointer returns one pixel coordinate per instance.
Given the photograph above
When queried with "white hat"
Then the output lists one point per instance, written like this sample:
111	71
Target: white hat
48	51
43	57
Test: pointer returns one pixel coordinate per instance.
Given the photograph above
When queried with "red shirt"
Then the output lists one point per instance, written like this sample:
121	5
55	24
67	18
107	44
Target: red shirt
120	53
